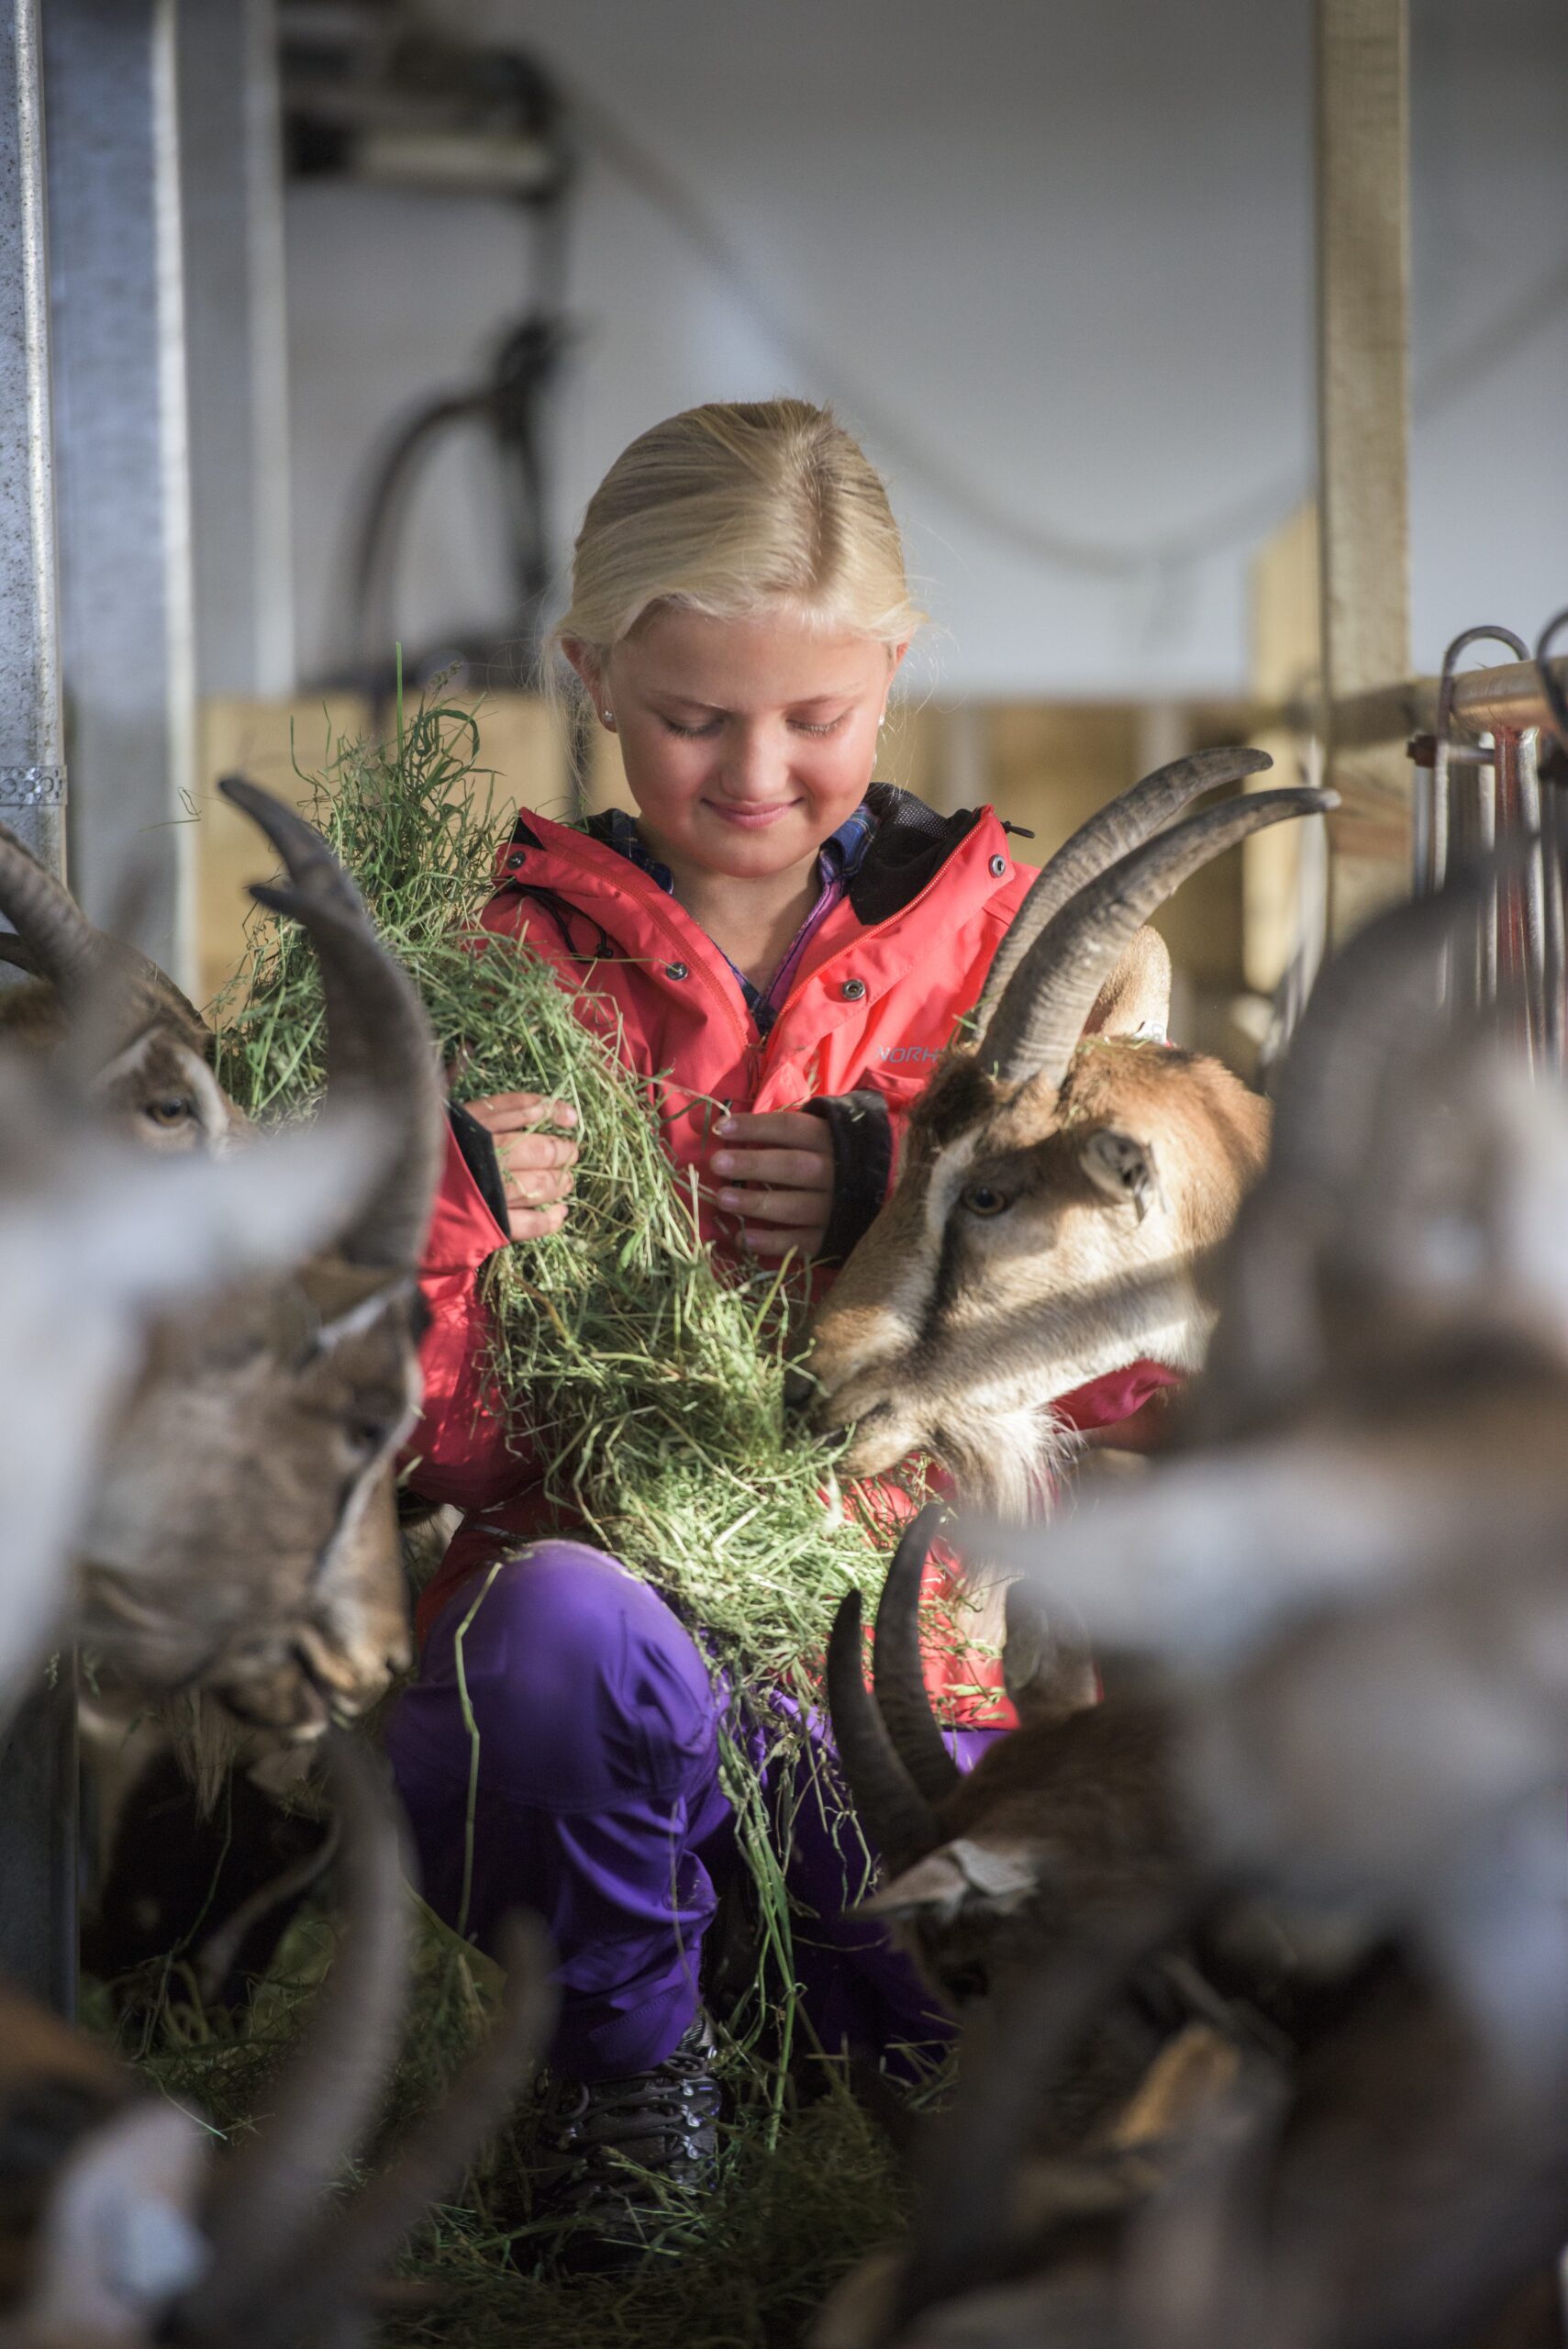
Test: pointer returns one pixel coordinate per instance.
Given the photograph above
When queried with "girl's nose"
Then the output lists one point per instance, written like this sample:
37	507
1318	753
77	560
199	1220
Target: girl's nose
757	764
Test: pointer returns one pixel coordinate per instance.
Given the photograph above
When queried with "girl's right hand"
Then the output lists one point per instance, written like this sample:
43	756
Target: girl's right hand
536	1169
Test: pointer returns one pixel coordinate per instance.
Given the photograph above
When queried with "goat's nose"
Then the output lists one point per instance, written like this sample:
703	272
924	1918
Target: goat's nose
799	1393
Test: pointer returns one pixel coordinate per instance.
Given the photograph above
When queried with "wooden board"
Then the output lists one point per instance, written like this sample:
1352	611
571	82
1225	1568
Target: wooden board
1363	273
1285	618
522	742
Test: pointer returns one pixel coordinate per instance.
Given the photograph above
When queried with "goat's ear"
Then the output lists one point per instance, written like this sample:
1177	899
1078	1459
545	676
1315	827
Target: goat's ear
1121	1166
1136	999
1046	1663
964	1874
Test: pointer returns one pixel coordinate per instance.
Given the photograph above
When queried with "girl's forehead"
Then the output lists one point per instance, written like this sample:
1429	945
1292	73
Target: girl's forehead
754	664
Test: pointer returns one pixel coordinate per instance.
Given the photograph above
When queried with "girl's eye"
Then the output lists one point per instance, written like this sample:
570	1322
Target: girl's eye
831	725
691	733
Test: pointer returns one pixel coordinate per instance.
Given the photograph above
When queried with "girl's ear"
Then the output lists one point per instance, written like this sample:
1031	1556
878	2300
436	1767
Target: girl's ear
897	652
585	662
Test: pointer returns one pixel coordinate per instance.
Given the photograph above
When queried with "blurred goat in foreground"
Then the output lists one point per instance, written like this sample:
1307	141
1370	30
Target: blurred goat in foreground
1347	1610
241	1537
119	2228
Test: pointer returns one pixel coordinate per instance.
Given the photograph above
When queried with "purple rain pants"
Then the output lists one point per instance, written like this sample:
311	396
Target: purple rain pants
597	1804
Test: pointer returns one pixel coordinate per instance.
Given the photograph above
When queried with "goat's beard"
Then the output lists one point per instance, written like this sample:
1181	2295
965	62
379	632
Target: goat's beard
1005	1461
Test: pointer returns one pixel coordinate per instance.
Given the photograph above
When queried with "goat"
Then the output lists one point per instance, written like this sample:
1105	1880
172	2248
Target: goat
116	2227
1063	1829
1066	1177
152	1073
1394	2184
242	1536
98	1240
137	2235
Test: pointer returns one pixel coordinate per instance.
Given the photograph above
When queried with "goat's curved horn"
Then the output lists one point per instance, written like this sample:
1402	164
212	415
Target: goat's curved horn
268	2196
895	1813
45	915
1111	832
379	1050
352	2246
55	940
18	954
1038	1023
308	861
897	1673
379	1043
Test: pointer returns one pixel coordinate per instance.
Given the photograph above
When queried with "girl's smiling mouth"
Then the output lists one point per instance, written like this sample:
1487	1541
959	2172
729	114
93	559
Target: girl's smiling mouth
751	820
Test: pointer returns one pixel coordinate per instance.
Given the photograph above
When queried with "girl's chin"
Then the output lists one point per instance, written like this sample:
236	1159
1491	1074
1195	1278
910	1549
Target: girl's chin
756	848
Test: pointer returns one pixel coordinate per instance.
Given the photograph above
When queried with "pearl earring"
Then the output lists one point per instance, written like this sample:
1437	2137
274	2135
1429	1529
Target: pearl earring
609	718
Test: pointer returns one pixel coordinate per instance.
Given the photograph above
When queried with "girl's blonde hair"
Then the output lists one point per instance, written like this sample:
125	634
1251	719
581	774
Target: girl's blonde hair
736	509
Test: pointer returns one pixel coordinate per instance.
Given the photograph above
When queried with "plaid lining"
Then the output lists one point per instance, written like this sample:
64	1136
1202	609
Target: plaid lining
837	861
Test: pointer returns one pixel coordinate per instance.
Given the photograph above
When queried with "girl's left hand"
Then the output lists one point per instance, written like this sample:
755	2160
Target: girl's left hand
783	1158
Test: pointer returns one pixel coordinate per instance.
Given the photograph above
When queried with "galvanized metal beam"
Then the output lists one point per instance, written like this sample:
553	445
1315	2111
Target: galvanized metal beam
38	1749
116	268
32	773
237	346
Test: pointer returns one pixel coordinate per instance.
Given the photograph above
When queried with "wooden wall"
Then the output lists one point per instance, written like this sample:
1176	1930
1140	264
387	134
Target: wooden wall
1046	767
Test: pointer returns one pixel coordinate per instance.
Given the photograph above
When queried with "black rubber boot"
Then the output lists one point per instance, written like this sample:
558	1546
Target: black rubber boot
626	2162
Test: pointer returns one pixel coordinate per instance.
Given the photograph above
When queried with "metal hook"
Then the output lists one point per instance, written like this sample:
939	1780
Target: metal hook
1435	826
1550	683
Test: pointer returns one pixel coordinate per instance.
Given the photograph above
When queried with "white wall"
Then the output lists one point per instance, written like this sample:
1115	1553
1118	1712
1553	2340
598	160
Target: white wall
1059	256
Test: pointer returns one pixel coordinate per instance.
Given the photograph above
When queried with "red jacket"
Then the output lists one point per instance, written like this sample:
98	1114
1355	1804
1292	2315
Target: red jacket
872	1007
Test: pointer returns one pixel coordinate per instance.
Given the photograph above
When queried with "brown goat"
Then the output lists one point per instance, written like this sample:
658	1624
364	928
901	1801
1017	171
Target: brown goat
97	1242
240	1537
150	1046
1066	1177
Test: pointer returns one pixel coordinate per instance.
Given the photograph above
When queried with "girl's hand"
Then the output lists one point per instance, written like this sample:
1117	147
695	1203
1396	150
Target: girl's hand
784	1160
536	1168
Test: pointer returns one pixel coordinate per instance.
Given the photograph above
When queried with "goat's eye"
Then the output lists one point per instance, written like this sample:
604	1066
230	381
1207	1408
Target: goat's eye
984	1199
367	1436
172	1109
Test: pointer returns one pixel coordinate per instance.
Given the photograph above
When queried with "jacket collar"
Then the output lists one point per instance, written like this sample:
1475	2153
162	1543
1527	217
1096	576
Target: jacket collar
893	847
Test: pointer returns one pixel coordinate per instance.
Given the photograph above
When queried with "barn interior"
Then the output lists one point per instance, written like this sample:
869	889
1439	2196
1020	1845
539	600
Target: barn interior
1213	356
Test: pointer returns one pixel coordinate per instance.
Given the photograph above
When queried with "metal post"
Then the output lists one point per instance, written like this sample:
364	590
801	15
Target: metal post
37	1749
32	772
237	342
1362	388
116	268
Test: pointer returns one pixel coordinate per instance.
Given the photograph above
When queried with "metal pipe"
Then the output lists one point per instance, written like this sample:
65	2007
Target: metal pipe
37	1747
1537	936
126	621
32	766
